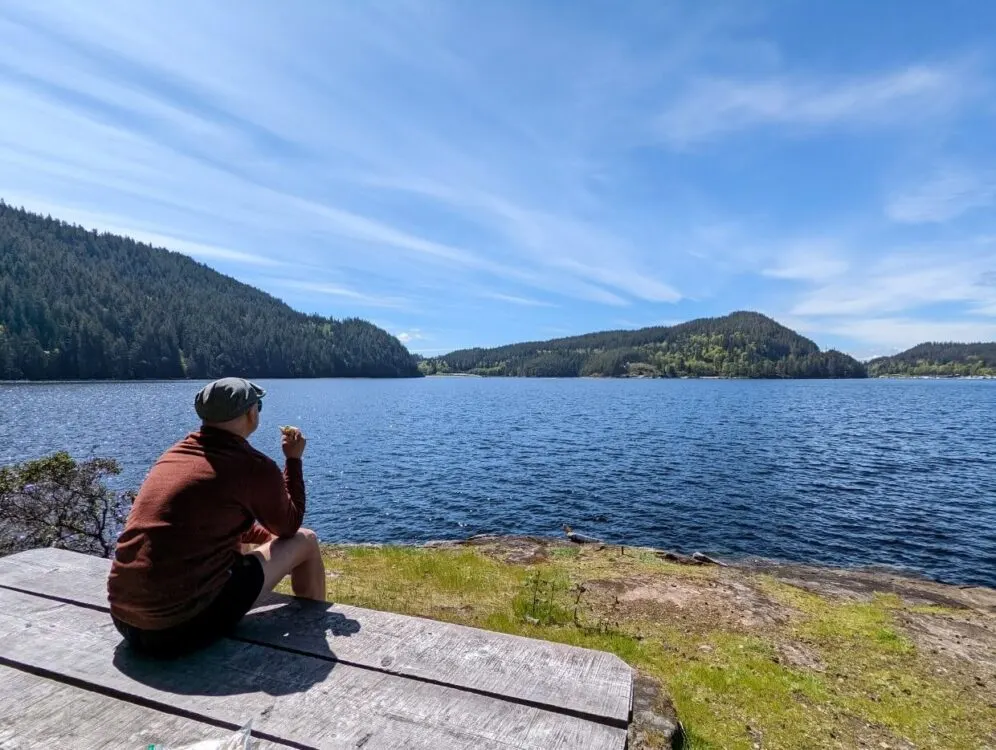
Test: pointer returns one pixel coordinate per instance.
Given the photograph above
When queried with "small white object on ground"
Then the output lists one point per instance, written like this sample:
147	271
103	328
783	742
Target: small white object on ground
240	740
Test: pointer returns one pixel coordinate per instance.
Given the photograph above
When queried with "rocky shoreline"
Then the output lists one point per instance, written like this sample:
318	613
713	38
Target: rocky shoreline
844	583
821	579
856	632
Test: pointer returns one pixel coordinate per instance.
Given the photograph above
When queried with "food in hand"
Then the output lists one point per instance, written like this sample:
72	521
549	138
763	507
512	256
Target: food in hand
289	430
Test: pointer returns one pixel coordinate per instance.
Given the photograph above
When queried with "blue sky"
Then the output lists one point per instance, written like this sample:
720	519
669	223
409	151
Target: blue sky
476	173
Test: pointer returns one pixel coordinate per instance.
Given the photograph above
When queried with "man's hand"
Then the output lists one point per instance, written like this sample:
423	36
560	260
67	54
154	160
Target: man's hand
292	442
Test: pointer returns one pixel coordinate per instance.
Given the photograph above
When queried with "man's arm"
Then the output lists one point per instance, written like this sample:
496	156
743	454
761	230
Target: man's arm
277	500
257	535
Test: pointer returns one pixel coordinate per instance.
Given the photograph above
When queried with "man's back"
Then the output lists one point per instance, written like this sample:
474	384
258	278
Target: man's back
184	531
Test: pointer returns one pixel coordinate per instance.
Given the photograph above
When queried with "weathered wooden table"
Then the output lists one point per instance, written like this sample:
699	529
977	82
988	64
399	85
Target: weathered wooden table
308	675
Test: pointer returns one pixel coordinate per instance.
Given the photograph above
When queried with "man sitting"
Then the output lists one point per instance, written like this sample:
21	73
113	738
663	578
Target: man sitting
179	579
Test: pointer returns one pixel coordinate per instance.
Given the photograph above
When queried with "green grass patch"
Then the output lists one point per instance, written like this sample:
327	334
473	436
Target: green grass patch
729	684
878	675
565	553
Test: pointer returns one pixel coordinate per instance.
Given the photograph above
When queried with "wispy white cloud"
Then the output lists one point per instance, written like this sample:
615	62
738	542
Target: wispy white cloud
903	282
715	106
360	227
814	260
627	279
408	337
517	300
119	225
808	269
335	290
578	283
928	293
593	293
888	335
404	156
584	250
944	195
588	253
196	249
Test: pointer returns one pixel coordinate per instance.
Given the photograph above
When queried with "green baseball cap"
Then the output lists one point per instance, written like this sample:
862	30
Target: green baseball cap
226	399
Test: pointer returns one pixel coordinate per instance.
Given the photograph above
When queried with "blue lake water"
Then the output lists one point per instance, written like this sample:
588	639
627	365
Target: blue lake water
896	473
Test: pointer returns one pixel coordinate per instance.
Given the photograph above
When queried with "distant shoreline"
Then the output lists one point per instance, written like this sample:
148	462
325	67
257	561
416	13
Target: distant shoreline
191	380
496	377
933	377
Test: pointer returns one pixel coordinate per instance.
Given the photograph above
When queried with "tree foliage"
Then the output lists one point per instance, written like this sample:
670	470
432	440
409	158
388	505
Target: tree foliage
57	502
740	345
77	304
939	359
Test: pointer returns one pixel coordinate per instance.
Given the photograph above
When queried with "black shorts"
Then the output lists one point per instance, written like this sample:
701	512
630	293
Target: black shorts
219	619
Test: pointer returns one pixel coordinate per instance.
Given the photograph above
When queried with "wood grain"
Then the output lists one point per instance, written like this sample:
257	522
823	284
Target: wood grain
294	698
36	712
584	682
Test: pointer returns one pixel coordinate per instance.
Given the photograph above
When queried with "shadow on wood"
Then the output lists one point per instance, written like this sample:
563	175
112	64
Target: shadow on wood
283	671
308	674
302	616
299	625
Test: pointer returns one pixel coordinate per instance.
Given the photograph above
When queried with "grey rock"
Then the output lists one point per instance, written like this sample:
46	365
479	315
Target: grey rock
655	723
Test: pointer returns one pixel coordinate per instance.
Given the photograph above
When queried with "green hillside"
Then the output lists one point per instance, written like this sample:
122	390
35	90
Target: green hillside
739	345
77	304
938	360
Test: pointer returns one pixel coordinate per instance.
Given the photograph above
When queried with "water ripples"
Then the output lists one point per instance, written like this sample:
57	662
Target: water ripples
898	473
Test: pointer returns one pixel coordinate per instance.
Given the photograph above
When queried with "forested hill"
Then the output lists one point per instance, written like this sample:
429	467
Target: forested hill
938	360
739	345
76	304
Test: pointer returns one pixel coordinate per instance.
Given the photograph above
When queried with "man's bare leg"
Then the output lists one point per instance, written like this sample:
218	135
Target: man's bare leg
299	557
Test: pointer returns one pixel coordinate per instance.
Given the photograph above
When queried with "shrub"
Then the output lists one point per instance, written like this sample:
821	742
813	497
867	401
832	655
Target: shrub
57	502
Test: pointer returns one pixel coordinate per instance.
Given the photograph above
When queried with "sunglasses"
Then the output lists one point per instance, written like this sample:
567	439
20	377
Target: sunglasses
259	405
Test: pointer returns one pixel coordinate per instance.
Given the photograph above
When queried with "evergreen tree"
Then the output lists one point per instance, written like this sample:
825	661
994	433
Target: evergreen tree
77	304
939	359
740	345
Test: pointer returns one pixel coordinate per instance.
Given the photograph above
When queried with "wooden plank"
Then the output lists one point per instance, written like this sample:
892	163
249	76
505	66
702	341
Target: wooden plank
58	573
589	683
37	712
584	682
292	698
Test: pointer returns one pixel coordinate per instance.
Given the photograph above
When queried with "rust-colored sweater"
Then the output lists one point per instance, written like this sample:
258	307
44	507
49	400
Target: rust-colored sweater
203	498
